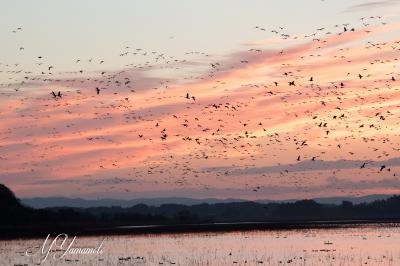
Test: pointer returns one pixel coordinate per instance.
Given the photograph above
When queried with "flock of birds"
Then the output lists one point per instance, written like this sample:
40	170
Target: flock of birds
262	123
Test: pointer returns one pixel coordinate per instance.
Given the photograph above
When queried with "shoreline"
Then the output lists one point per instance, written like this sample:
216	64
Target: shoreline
34	232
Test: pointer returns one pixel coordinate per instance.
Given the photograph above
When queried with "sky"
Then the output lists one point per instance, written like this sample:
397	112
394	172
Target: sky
222	99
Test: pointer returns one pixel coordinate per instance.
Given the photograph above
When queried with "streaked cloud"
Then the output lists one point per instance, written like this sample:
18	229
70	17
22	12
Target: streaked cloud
243	130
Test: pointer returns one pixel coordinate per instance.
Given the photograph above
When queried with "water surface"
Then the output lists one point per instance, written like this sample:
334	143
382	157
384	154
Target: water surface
358	245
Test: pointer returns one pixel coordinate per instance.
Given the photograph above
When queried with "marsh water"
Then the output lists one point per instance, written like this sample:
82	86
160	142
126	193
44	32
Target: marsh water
353	245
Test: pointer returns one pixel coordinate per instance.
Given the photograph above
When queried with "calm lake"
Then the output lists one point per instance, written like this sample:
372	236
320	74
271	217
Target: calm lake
355	245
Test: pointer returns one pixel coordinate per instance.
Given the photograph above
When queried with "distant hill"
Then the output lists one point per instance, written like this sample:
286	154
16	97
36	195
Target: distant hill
39	203
85	203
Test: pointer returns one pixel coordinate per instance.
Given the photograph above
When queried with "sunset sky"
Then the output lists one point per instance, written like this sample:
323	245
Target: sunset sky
246	133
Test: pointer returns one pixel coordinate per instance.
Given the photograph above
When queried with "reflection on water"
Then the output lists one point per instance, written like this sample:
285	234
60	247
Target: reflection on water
368	245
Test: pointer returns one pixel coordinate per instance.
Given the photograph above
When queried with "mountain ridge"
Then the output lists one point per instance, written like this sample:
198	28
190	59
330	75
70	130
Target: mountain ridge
45	202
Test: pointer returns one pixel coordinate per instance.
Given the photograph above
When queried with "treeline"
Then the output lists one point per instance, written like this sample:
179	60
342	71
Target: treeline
25	220
257	212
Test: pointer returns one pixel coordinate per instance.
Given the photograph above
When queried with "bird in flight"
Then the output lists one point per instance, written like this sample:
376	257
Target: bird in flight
55	95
